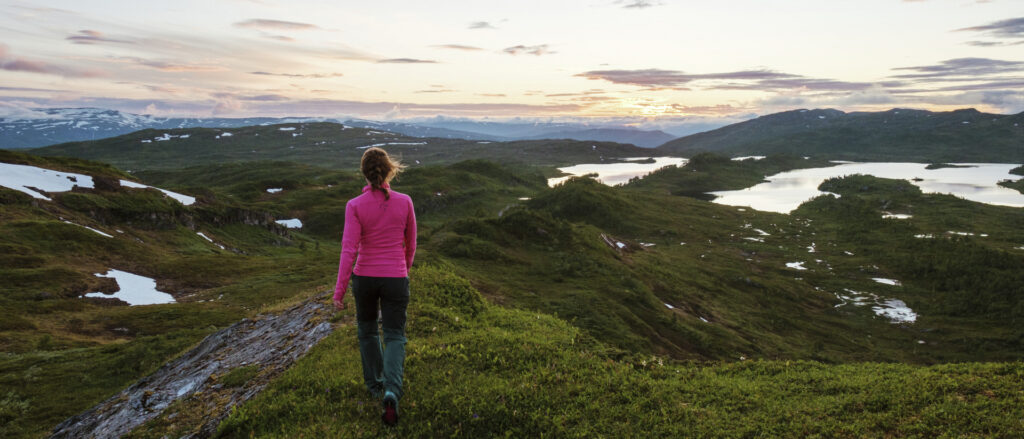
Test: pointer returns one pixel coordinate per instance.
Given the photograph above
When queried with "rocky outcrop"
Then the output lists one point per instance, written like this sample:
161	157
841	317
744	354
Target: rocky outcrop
264	345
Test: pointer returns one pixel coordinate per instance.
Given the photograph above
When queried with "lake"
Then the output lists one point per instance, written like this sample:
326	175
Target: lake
785	191
614	174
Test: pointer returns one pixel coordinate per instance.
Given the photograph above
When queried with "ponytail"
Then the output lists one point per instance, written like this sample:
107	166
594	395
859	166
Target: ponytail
379	169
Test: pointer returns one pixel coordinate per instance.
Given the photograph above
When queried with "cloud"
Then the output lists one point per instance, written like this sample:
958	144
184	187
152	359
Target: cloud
86	36
492	95
299	75
657	78
160	88
279	37
639	4
481	25
249	106
994	43
436	90
17	64
799	83
17	111
261	23
169	66
1009	28
961	67
406	61
30	89
456	47
538	50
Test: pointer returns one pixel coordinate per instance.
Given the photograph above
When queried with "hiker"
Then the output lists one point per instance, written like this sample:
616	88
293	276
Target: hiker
380	237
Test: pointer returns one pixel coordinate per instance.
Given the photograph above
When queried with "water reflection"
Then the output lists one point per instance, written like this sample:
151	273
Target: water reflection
786	191
613	174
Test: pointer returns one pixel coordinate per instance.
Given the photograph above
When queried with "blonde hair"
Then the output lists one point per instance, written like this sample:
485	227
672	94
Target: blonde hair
379	169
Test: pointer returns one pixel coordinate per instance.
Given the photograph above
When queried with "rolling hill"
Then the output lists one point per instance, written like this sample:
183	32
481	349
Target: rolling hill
896	135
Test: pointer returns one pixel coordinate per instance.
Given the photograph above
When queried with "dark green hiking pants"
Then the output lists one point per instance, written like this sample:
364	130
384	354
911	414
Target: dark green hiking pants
382	367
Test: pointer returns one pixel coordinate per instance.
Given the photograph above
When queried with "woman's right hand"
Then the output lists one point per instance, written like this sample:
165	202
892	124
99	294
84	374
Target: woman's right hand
339	303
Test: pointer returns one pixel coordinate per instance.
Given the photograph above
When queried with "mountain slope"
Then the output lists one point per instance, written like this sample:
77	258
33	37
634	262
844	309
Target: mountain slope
60	125
895	135
320	144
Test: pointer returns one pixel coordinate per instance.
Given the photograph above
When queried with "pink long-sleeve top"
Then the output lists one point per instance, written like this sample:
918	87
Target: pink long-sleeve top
380	236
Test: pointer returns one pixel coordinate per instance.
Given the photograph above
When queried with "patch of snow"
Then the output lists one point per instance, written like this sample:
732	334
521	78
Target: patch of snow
810	248
183	199
883	280
293	223
134	289
287	128
407	143
924	236
960	233
669	306
31	180
647	244
704	320
184	136
90	228
762	232
847	253
226	134
208	239
796	265
274	190
620	244
371	146
147	141
163	138
896	215
749	157
483	143
896	311
754	239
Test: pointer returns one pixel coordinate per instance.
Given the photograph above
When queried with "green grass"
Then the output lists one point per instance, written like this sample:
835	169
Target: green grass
561	304
513	373
238	376
960	136
322	144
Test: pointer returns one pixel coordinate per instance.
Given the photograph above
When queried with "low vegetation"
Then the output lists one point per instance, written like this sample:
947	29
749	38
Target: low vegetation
581	309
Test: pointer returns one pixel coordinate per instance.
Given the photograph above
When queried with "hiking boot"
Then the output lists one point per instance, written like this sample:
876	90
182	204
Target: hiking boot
390	415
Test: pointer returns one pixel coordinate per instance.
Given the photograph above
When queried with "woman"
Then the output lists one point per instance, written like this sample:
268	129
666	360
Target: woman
380	226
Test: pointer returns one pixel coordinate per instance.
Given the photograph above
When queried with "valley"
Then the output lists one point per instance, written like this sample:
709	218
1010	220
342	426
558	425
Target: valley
646	289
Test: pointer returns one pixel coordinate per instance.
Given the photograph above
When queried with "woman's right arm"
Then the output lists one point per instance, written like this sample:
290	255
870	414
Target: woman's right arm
349	246
410	236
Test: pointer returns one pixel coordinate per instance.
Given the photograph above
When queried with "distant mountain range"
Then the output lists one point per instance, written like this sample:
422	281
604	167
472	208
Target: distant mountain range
899	134
60	125
966	135
75	124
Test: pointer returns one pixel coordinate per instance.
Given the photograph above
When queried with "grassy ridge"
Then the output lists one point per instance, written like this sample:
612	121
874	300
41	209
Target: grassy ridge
321	144
554	258
480	370
960	136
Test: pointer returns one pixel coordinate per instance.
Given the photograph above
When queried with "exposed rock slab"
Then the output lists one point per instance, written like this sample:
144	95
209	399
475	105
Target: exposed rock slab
272	342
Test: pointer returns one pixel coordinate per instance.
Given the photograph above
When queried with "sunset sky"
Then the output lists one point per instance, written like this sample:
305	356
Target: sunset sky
562	59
